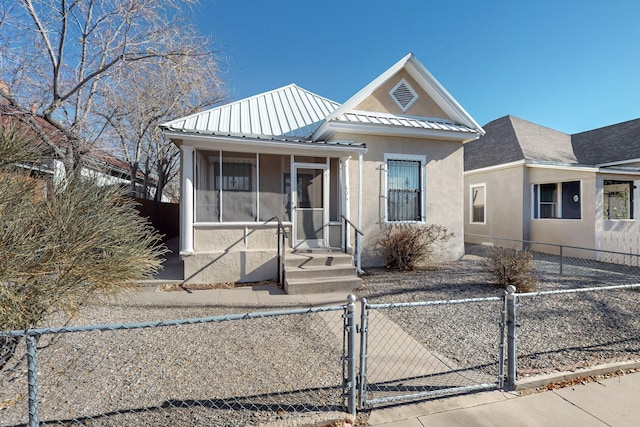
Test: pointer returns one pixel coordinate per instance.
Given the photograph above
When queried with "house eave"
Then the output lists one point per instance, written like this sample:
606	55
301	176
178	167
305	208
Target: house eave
618	163
252	144
331	128
493	168
610	171
562	166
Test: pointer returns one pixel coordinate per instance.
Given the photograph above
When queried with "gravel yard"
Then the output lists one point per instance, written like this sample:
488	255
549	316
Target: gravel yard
556	333
277	369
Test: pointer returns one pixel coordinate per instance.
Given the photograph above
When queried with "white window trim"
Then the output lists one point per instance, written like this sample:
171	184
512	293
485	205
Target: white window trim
423	185
471	187
558	201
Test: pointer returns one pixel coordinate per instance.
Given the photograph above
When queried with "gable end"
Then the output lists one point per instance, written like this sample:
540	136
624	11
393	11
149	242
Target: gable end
404	95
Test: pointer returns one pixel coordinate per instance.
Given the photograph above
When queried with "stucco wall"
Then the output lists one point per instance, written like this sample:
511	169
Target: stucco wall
444	190
504	204
381	101
573	232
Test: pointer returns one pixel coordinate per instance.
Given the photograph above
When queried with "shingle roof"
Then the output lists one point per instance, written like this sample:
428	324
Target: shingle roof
288	113
510	139
498	145
608	144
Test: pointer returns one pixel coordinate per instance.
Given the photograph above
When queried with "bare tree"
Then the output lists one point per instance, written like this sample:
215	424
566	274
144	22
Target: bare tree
60	57
138	100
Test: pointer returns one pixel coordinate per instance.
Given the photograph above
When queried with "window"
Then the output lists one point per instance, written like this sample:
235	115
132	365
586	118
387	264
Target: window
227	195
405	182
557	200
618	200
235	176
477	194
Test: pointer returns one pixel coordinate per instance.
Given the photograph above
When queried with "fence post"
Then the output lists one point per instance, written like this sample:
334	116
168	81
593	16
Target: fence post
512	318
364	341
561	260
351	355
32	378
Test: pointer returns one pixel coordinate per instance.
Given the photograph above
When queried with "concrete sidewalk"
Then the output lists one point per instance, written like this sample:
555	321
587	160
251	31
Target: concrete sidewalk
609	402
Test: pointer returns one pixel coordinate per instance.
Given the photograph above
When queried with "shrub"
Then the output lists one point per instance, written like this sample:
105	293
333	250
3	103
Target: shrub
406	246
513	267
79	243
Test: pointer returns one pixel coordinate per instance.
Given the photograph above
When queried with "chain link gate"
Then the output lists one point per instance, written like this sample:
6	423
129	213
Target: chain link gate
404	356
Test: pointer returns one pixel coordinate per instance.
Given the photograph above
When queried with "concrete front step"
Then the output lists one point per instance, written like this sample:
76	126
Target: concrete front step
310	271
321	271
321	285
317	259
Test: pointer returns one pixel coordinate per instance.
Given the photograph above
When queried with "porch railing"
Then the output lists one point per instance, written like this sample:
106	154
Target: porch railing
282	242
357	245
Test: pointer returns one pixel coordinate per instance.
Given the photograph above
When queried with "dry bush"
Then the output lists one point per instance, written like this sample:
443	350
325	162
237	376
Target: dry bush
513	267
62	249
406	246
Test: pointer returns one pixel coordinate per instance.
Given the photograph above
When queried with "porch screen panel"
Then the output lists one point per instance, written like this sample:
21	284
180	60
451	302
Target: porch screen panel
207	196
404	192
237	185
274	187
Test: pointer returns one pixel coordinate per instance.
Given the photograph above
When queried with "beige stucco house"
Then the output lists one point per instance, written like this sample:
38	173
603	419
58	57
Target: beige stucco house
391	153
524	181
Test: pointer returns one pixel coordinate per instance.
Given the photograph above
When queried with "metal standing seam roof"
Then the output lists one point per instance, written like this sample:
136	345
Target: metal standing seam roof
289	112
402	121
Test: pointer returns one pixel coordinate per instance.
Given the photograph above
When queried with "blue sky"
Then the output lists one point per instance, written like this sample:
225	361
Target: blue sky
569	65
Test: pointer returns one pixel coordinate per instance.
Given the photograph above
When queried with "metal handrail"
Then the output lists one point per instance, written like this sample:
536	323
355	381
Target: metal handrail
357	242
282	238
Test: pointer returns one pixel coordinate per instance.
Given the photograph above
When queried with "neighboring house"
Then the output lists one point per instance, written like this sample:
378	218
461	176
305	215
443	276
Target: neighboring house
104	168
527	182
390	154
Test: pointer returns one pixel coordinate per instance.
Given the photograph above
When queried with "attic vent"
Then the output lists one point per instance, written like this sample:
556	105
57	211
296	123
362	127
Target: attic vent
404	95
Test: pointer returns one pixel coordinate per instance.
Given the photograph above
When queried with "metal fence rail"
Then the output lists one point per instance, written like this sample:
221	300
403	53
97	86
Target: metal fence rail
586	266
426	349
205	371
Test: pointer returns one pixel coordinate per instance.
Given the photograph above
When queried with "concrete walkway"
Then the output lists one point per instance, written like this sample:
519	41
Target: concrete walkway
610	402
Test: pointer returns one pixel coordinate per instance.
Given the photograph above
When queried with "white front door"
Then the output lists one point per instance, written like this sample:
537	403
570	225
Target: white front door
310	205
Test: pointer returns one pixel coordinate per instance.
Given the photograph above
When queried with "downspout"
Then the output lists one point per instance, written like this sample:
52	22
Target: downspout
358	237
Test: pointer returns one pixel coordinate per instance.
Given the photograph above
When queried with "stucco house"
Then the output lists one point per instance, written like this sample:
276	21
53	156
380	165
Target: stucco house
527	182
392	153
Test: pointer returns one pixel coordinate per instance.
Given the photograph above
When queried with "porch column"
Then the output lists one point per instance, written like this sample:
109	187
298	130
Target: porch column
186	202
346	209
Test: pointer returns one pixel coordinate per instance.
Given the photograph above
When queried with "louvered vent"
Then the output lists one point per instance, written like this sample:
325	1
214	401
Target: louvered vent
403	95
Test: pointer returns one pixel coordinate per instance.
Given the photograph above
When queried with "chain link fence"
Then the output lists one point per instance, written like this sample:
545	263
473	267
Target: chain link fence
569	330
433	348
229	370
568	266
